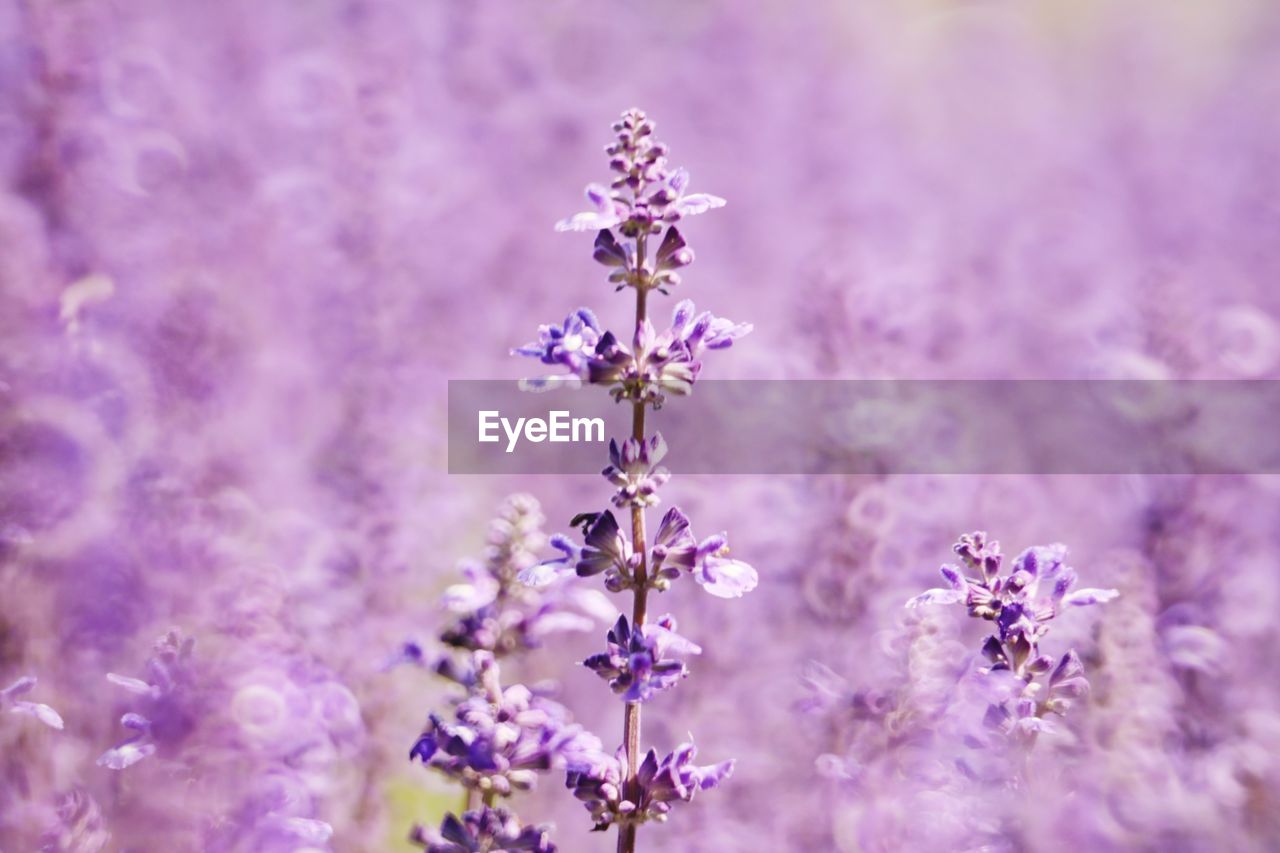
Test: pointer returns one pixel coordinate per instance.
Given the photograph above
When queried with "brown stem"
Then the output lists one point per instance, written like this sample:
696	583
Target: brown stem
627	838
631	711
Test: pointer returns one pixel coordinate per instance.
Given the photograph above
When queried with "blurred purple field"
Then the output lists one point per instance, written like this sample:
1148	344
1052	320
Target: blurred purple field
245	246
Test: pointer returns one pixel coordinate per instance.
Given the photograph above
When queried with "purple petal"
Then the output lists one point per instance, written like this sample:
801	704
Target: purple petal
937	596
953	576
43	713
544	573
726	578
678	181
692	205
126	755
133	685
588	221
1085	597
673	524
710	777
19	687
598	197
1069	667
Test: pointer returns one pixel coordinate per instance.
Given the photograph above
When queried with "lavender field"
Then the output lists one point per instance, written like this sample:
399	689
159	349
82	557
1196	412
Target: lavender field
245	246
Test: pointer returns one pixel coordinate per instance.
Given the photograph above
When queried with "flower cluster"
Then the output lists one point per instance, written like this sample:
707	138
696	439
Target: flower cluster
571	345
77	825
675	551
498	739
485	829
501	738
1021	605
644	198
641	658
166	716
601	784
645	194
634	469
494	612
655	365
277	715
642	661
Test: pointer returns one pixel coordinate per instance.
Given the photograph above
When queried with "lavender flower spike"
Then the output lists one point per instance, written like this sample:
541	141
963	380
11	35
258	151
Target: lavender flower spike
645	194
488	829
642	658
10	703
500	738
165	702
494	608
1021	605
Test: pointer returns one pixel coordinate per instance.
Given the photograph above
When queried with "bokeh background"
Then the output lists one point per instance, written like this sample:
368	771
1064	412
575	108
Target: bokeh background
244	245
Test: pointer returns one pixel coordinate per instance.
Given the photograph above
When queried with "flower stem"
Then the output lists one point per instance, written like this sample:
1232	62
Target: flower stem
631	711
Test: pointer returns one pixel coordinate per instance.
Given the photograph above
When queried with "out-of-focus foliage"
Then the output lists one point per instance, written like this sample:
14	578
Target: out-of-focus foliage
244	245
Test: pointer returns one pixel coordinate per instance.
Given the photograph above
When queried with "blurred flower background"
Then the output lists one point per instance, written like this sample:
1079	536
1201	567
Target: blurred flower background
244	245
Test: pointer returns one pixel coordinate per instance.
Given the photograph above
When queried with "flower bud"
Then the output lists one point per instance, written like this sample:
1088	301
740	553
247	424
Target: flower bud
608	251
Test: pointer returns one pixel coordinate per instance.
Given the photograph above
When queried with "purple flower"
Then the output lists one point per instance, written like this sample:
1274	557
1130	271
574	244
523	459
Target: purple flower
674	550
77	827
661	364
1066	683
478	590
501	738
633	468
645	194
496	610
642	661
569	345
720	575
673	204
1021	605
9	702
654	366
705	331
605	549
166	700
1035	591
606	210
487	829
598	783
609	252
673	252
548	571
